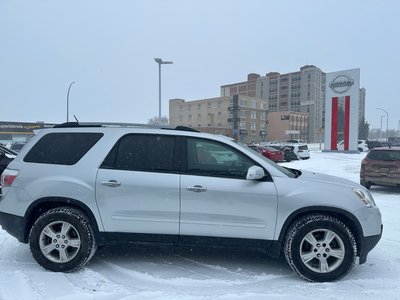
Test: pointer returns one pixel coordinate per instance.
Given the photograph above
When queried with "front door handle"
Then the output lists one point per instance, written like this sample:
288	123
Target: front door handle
196	188
111	183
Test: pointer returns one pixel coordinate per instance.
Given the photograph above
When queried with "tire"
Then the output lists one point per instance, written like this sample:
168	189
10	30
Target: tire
62	240
320	248
360	150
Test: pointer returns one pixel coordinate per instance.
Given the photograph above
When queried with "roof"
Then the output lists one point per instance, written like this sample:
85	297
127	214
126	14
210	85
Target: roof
121	125
389	148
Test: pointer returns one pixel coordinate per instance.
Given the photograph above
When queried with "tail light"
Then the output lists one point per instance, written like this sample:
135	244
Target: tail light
363	166
8	176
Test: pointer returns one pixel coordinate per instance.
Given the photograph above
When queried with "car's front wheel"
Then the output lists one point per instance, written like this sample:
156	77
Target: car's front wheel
62	240
320	248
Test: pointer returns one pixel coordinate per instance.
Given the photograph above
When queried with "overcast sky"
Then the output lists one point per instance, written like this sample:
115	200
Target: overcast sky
108	49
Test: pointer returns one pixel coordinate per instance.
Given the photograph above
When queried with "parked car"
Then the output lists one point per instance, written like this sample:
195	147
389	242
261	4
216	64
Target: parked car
362	145
6	156
295	141
269	152
376	144
381	166
301	151
77	186
271	143
394	141
288	153
16	146
5	150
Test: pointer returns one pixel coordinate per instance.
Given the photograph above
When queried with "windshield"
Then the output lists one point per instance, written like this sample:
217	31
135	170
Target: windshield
284	170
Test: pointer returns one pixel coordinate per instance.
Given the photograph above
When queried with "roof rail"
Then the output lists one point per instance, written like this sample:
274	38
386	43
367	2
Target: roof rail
107	124
185	128
115	124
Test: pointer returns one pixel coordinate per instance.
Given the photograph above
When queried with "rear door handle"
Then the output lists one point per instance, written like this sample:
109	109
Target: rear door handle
196	188
111	183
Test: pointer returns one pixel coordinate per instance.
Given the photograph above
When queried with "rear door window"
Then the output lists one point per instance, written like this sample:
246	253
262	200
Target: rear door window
143	152
62	148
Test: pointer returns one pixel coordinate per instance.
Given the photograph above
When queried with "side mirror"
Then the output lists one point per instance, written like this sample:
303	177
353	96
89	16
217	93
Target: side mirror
255	173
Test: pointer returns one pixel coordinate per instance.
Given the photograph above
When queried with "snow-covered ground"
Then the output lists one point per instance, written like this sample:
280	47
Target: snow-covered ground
157	273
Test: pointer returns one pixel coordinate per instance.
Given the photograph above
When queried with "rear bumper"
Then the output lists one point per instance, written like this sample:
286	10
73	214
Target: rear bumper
303	155
367	243
383	180
14	225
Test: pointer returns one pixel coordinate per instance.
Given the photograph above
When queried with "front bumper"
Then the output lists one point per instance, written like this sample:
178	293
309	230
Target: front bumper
367	243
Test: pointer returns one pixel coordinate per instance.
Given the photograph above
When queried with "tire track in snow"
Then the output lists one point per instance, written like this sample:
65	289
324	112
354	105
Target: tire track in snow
23	286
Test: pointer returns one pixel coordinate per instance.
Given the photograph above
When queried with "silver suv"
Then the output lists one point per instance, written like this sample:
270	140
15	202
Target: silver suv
77	186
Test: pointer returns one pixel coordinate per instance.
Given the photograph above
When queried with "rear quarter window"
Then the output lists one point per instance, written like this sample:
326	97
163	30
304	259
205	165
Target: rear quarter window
62	148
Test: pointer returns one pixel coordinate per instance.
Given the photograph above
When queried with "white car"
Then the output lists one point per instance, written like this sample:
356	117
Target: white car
362	146
271	143
301	150
78	186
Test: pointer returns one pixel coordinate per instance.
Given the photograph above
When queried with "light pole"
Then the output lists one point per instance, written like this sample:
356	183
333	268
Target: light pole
69	88
398	128
380	136
387	123
160	62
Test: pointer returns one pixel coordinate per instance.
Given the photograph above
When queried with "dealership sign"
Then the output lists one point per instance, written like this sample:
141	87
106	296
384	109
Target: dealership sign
341	84
342	110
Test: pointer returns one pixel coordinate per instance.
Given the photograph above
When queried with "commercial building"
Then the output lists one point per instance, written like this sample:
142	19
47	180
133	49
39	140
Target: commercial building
301	91
287	126
241	117
19	131
245	88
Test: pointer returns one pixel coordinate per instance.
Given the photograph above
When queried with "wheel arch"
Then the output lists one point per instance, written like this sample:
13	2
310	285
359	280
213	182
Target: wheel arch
346	217
42	205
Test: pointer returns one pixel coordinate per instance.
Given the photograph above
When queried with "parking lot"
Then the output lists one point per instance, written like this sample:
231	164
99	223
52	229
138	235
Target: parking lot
165	273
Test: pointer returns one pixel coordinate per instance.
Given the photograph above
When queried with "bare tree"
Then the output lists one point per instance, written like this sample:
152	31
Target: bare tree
156	120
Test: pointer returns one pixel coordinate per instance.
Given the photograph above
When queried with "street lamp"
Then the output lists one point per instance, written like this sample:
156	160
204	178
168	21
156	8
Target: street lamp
398	128
387	123
160	62
382	116
69	88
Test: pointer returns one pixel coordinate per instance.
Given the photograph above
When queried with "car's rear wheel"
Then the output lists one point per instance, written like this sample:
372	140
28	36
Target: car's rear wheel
62	240
320	248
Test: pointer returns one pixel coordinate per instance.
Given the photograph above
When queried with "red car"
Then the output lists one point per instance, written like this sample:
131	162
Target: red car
269	152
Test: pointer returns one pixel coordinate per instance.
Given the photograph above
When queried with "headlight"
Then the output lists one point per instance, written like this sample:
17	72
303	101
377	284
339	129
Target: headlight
364	196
